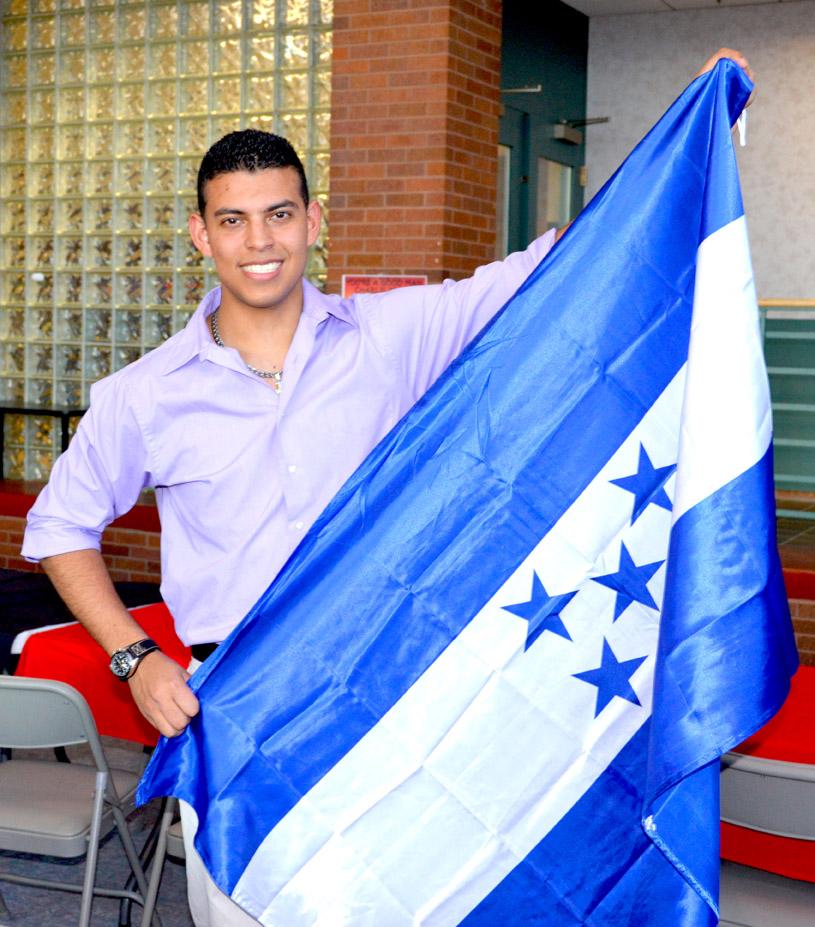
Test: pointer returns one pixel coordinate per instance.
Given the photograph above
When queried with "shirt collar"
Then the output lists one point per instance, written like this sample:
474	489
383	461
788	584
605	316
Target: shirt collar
194	340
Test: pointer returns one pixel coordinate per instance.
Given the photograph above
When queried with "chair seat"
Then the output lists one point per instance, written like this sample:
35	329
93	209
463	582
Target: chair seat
755	898
47	806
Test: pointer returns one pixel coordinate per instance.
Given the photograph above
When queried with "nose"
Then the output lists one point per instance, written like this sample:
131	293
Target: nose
259	234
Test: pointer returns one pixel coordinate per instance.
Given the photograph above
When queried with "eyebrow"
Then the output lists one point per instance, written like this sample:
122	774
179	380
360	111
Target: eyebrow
230	211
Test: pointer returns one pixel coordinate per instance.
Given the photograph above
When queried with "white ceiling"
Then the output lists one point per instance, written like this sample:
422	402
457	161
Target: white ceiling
613	7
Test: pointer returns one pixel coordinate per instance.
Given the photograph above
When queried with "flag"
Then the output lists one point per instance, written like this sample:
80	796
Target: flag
493	683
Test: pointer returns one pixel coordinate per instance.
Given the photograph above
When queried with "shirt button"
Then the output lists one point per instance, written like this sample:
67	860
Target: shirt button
298	525
292	468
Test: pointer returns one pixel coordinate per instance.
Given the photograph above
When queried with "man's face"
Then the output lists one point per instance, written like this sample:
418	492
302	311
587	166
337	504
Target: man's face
257	230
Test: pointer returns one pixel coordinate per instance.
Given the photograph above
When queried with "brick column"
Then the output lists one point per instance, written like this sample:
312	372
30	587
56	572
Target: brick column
414	137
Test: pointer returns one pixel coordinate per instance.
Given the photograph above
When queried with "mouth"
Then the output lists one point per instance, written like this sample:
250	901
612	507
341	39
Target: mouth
262	270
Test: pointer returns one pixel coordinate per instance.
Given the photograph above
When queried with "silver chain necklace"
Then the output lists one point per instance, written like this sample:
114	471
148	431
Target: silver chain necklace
276	376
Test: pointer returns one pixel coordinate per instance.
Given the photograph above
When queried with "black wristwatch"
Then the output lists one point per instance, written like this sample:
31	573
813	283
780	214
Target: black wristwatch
124	662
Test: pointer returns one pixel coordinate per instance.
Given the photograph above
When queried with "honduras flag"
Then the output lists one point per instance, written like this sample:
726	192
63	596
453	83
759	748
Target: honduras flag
493	683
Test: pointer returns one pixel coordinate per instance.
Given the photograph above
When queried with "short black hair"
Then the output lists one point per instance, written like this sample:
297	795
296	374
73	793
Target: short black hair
248	150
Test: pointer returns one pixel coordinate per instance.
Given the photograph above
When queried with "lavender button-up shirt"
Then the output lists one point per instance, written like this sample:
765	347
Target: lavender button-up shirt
241	473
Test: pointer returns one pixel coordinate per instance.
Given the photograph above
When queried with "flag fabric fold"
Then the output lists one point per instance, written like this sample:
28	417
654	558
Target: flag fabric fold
493	682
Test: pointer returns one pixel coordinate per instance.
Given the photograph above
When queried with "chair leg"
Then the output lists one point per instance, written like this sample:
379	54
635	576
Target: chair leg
158	862
4	911
93	850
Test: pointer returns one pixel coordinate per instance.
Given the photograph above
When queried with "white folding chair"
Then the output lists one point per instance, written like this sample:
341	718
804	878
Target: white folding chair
170	842
60	809
774	797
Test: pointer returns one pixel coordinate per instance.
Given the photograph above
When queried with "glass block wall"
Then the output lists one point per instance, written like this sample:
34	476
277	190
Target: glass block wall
105	111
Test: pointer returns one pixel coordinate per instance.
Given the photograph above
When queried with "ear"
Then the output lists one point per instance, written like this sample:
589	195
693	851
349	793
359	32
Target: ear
314	218
198	234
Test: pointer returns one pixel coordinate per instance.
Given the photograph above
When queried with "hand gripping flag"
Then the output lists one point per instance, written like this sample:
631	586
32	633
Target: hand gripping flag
493	683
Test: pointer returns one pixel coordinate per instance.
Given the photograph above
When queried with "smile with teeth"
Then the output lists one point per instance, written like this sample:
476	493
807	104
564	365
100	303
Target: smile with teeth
269	268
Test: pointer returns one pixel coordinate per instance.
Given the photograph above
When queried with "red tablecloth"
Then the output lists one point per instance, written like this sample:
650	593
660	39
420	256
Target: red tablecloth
70	655
790	736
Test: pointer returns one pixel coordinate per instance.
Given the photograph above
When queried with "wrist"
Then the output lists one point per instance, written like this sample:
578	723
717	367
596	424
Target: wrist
125	661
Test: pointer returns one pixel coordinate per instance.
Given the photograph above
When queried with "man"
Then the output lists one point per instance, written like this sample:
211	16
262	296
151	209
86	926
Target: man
245	424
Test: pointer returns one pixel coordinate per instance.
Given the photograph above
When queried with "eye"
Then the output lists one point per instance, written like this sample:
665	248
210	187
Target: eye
281	215
231	221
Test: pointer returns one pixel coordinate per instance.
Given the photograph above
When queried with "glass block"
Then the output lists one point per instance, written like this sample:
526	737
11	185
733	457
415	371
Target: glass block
97	362
325	11
39	323
42	252
13	142
100	140
40	358
71	142
14	357
42	144
69	215
14	462
197	16
228	55
162	100
161	251
72	104
40	179
15	108
296	12
100	102
227	92
41	430
70	288
188	168
160	289
323	45
100	215
69	324
261	93
42	106
194	136
294	127
322	88
131	62
132	25
129	214
130	100
102	63
194	96
103	27
191	256
12	218
128	327
321	131
100	177
69	360
71	179
128	289
39	391
14	70
162	60
43	32
49	6
129	175
101	251
159	326
15	35
43	68
223	126
160	176
163	22
72	29
229	16
100	289
193	289
128	251
195	58
42	287
161	137
295	50
97	325
15	429
72	67
294	93
70	252
125	356
69	393
129	139
12	179
161	213
16	253
261	53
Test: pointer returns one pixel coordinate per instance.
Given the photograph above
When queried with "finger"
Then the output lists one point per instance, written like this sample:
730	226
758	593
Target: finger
186	701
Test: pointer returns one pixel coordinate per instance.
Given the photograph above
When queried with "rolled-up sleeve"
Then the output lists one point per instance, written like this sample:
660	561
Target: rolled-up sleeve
96	480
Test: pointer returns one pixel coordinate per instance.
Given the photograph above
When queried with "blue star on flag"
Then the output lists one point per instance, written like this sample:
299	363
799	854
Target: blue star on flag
542	611
647	485
630	582
612	678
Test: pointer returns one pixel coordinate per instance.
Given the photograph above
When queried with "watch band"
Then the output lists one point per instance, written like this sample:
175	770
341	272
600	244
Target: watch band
125	662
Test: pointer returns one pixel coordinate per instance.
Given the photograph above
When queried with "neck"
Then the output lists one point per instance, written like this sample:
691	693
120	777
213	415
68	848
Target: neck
262	336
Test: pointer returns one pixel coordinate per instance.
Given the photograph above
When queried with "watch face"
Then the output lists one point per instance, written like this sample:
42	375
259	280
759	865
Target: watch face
121	663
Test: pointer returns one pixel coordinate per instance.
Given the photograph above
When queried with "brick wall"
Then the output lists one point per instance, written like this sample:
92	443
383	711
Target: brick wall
803	619
414	136
129	554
